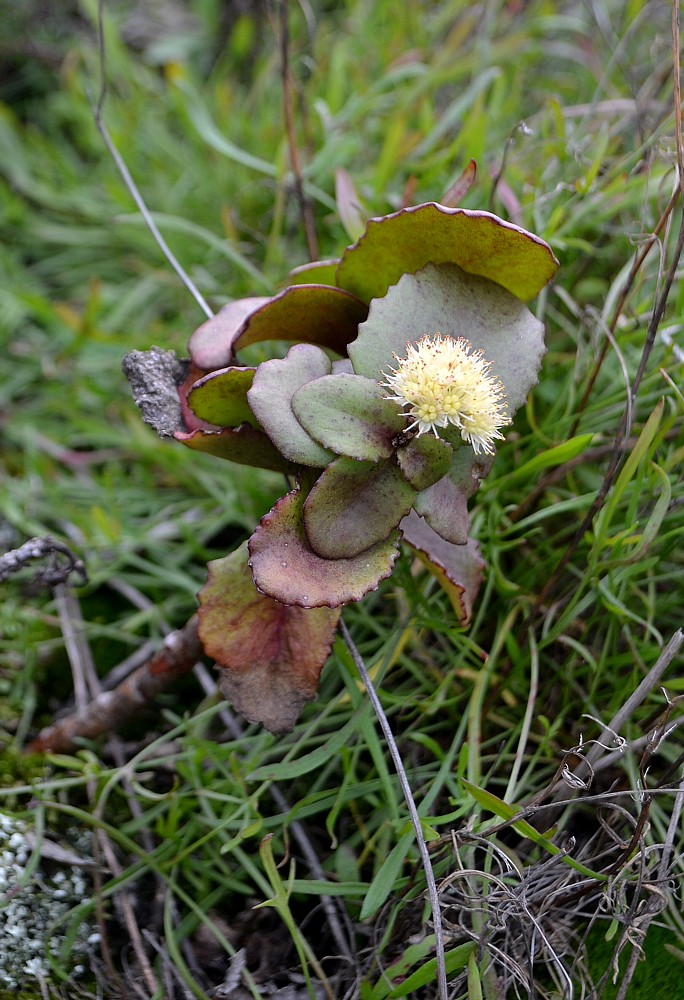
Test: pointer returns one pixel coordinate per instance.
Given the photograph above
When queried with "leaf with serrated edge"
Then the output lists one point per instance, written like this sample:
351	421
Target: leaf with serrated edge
311	314
479	242
211	345
220	398
349	415
446	300
457	568
270	398
285	567
270	656
354	505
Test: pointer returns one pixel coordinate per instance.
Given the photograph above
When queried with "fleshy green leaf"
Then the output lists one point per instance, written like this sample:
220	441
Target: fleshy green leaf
480	243
424	460
311	314
446	300
244	445
444	505
355	505
270	655
320	272
285	567
457	568
220	398
270	398
211	345
349	415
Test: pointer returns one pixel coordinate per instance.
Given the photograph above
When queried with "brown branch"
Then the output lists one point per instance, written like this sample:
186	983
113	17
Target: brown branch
112	709
304	203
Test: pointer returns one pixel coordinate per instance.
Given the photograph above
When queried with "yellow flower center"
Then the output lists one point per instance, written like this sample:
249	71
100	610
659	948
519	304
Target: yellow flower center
444	381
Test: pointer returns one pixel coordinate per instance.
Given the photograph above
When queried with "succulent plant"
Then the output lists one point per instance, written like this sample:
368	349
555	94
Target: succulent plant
410	354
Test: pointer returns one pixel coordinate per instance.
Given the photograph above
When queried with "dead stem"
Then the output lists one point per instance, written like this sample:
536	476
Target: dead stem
411	806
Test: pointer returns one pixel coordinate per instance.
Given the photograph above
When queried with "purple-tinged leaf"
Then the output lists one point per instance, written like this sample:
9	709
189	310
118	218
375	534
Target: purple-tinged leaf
211	345
457	568
424	460
285	567
349	415
270	656
446	300
310	314
270	399
355	505
220	398
444	505
244	445
479	242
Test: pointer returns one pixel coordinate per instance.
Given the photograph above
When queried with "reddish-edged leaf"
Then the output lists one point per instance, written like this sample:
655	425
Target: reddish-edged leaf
286	568
444	505
310	314
270	398
220	398
479	242
349	415
446	300
270	655
355	505
211	345
458	568
244	445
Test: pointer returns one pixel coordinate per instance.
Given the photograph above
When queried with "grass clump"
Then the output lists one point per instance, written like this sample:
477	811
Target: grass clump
545	843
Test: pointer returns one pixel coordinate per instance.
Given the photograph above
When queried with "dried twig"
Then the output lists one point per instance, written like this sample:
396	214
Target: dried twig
304	203
411	806
61	562
112	709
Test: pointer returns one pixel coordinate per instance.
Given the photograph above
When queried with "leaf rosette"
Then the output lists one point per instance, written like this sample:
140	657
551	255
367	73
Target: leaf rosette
409	355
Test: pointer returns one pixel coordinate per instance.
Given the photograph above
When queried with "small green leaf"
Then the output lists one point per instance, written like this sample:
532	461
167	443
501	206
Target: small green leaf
386	878
424	460
220	398
349	415
355	505
270	398
426	975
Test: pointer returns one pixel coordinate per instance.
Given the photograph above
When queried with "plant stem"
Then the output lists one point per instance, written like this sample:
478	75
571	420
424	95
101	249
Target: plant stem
411	805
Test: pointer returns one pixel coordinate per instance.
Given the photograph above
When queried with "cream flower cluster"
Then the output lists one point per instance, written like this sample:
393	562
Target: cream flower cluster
444	381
